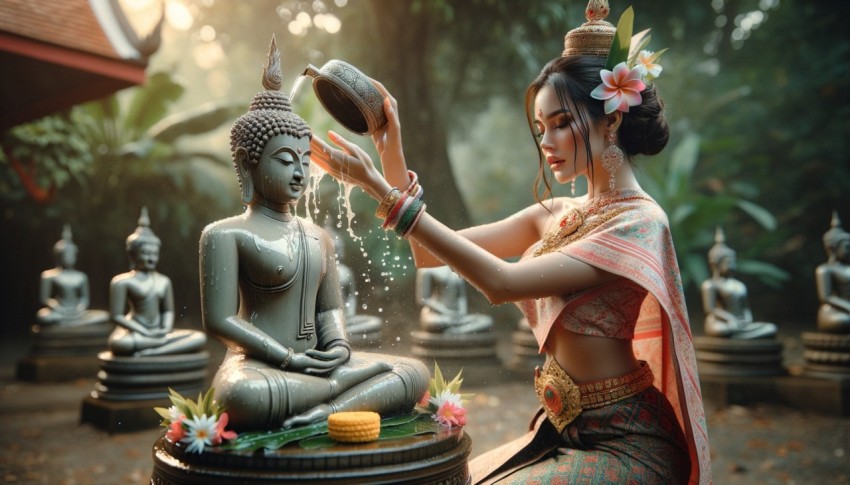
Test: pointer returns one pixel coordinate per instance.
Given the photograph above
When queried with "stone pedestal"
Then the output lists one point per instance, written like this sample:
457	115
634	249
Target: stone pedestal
524	350
473	353
738	358
128	388
827	355
435	459
364	339
798	390
62	353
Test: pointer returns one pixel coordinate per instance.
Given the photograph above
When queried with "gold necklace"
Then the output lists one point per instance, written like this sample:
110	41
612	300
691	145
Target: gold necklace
574	225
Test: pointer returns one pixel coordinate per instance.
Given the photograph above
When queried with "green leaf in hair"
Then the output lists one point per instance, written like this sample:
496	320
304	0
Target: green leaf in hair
622	40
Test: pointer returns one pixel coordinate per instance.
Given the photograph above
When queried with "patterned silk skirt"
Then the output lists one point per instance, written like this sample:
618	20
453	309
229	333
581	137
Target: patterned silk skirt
634	441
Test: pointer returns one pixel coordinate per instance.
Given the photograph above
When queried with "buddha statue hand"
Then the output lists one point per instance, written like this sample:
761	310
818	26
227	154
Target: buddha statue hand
317	362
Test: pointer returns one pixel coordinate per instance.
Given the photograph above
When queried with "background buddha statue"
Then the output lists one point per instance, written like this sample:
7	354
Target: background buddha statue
355	324
64	291
442	295
270	290
724	298
148	328
833	281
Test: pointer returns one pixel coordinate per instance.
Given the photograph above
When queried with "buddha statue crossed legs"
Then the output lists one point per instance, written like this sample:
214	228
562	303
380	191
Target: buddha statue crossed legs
64	291
442	294
270	290
833	281
148	328
725	301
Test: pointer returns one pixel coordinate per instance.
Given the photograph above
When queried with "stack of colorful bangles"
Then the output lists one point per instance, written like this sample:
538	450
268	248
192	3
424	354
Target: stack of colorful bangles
402	210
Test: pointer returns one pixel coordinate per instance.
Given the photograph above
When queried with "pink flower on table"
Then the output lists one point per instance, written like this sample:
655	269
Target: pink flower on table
175	431
220	433
620	88
450	410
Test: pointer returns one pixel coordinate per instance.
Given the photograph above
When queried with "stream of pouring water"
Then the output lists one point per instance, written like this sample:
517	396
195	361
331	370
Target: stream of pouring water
311	213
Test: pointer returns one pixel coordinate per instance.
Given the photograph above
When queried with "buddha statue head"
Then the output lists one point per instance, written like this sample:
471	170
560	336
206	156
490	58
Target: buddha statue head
836	241
269	116
143	245
721	258
65	251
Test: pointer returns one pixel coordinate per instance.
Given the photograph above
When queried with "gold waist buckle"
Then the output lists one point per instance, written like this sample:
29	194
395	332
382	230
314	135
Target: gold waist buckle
563	399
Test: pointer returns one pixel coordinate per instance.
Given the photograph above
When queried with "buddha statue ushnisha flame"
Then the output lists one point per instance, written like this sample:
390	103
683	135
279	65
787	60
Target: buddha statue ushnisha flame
270	290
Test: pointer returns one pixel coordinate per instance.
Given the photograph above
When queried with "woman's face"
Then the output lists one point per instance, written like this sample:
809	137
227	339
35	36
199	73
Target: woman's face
560	137
283	171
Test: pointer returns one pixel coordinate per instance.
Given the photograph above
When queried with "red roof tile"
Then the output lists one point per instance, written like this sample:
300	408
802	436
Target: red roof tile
67	23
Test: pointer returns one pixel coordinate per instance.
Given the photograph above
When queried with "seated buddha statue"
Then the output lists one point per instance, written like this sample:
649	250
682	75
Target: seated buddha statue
148	327
64	291
442	295
833	281
270	290
724	298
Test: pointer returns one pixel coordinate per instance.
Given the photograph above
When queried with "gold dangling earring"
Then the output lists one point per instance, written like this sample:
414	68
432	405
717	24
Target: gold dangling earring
612	159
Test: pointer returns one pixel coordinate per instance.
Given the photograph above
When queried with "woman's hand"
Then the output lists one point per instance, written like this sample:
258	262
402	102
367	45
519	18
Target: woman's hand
387	140
319	362
349	164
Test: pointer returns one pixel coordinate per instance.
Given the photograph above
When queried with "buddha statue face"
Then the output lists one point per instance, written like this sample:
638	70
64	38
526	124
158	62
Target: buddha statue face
66	255
283	171
145	255
723	260
727	263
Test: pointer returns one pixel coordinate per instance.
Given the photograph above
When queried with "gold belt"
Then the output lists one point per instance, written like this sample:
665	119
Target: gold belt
563	399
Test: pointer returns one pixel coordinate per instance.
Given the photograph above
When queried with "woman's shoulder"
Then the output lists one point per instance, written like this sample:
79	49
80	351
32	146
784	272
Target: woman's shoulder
646	209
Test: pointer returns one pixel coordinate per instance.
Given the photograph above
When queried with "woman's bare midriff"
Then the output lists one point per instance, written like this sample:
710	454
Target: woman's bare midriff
588	358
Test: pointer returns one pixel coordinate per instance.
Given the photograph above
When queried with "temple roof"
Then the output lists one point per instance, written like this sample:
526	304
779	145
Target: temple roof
56	54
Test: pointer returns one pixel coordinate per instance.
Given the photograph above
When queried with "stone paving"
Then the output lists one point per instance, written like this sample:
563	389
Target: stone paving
41	440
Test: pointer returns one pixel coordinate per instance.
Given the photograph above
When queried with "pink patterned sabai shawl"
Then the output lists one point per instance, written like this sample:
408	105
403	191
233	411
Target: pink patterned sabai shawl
636	244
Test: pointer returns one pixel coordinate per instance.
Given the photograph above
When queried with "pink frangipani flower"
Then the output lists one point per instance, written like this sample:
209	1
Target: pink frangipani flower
649	68
620	88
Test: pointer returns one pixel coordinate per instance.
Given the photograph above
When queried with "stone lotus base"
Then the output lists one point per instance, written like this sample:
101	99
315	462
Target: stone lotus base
738	358
128	388
60	354
827	355
428	345
742	372
430	459
59	340
56	368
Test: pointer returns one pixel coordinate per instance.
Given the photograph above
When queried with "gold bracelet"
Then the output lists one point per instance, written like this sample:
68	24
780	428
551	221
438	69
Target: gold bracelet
387	203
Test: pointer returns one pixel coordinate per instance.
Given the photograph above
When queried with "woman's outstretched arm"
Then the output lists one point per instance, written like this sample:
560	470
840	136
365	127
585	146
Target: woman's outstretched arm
475	258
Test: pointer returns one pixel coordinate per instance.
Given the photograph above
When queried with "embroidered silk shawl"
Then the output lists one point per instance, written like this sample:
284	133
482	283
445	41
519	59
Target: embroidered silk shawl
636	244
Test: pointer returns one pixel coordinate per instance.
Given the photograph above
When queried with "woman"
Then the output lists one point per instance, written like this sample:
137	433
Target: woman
597	278
270	291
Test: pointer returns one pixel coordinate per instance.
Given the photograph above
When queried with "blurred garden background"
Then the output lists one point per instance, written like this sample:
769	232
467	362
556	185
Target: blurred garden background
756	92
